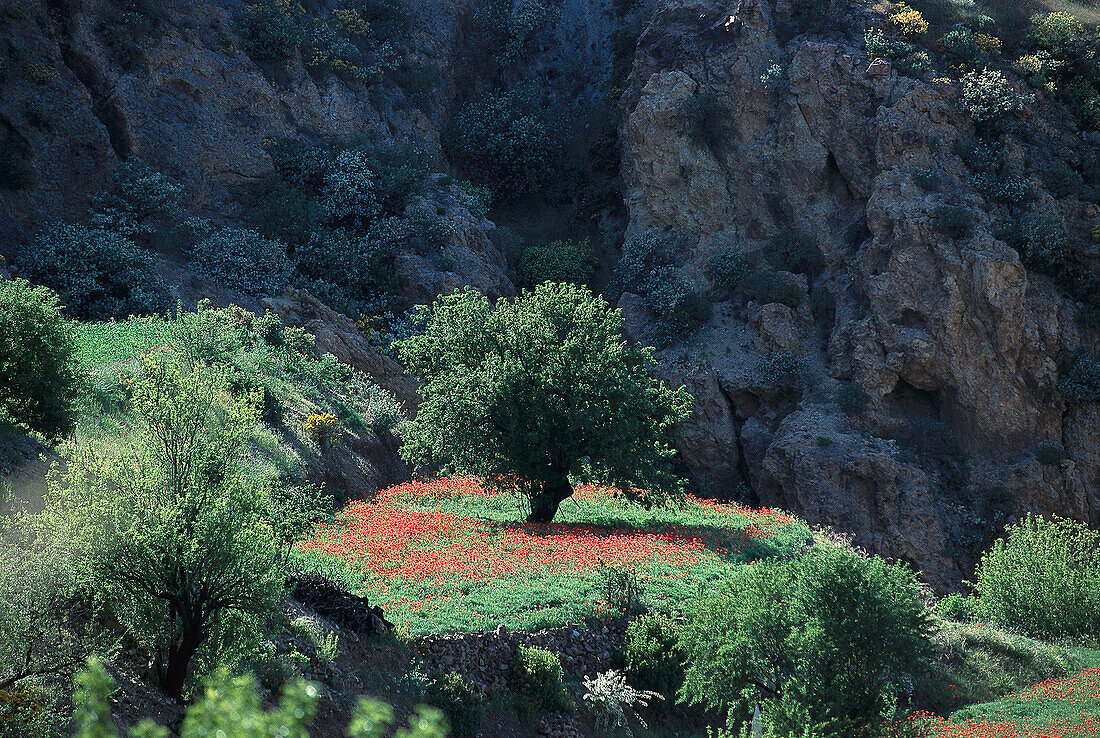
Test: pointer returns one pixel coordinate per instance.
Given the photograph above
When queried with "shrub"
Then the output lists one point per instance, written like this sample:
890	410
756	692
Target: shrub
706	119
614	702
1044	240
851	398
1049	453
231	706
952	221
908	21
500	142
1061	180
557	261
728	269
678	307
652	656
243	260
988	96
1060	34
39	376
981	156
794	252
1004	188
774	78
1042	578
323	429
811	12
136	195
825	639
350	197
960	44
536	681
768	285
1079	378
454	695
427	229
779	369
356	266
97	273
271	29
642	255
956	607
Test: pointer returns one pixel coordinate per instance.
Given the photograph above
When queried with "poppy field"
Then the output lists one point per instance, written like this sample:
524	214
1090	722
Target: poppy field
447	555
1055	708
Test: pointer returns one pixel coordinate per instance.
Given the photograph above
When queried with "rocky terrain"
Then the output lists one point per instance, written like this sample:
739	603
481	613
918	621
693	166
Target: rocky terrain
924	367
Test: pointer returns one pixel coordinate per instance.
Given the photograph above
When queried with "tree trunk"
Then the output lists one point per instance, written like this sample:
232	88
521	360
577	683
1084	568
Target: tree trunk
179	660
544	504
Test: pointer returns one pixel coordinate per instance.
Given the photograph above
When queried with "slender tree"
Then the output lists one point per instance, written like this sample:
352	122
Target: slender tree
165	519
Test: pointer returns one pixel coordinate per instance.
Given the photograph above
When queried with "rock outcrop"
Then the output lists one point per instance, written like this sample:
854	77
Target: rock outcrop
949	334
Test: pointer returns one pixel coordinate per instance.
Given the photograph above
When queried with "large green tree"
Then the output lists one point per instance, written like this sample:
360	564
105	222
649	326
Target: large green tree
539	390
164	518
39	378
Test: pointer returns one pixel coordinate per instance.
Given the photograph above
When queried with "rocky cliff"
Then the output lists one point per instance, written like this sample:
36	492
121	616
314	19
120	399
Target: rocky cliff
952	336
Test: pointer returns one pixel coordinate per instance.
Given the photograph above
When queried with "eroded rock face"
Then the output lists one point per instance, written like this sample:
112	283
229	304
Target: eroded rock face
952	335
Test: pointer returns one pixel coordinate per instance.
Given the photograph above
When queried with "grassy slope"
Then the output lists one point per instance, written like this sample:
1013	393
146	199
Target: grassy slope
535	576
445	556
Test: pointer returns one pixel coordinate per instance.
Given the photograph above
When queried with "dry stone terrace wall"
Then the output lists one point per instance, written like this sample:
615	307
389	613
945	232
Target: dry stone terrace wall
486	658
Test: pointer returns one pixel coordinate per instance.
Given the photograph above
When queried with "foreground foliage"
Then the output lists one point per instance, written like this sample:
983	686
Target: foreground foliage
38	372
230	707
166	526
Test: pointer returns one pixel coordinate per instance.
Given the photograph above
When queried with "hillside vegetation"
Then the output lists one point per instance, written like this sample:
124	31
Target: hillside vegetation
549	369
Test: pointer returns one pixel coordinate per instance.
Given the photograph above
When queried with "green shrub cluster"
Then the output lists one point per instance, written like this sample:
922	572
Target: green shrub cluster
957	607
557	261
645	267
536	681
342	211
98	273
678	306
795	252
1063	61
907	57
780	370
454	695
728	269
851	398
502	141
1005	187
824	642
39	378
1042	578
652	657
243	260
507	32
1079	378
988	97
136	197
1045	241
231	706
953	221
1049	452
767	285
357	38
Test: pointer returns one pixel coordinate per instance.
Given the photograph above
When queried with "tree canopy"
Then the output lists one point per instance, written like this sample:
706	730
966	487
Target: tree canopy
532	392
39	378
